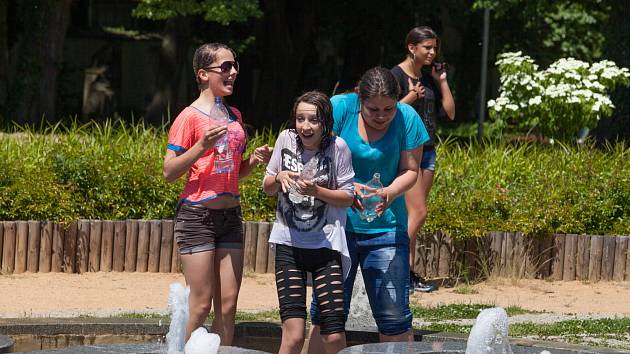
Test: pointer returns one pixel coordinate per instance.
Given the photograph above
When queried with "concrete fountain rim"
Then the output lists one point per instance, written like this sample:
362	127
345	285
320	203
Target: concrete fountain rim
89	325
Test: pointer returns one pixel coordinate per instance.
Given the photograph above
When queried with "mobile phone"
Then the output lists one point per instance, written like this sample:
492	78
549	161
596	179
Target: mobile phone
440	66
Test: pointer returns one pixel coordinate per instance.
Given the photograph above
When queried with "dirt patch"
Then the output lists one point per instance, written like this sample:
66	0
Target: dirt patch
100	294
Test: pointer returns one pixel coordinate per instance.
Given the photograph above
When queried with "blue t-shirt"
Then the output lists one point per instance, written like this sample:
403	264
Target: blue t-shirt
406	132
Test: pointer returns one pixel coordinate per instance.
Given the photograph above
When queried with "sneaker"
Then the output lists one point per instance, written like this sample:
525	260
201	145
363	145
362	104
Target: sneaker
420	285
424	287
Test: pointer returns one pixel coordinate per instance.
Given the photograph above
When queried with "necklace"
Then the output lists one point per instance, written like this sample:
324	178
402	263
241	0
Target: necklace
412	69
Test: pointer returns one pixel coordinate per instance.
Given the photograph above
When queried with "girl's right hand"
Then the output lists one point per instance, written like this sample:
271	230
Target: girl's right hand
418	89
357	204
211	135
286	179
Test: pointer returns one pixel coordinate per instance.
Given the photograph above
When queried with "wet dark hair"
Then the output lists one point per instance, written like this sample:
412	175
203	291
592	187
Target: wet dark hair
324	114
206	54
419	34
376	82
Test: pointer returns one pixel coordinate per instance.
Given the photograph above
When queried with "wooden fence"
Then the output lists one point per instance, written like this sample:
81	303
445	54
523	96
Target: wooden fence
512	254
120	246
148	246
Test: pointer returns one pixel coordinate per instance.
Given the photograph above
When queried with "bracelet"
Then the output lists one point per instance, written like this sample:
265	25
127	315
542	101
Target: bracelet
275	179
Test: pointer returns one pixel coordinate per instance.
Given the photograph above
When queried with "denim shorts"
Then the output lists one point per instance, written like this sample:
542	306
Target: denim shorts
385	269
428	159
199	229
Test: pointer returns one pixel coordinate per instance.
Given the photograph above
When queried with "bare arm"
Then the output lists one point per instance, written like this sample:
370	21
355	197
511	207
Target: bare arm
448	102
336	197
261	154
407	176
415	93
176	165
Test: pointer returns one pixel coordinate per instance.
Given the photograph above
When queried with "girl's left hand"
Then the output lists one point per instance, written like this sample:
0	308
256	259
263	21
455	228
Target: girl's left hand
385	196
306	187
438	75
262	154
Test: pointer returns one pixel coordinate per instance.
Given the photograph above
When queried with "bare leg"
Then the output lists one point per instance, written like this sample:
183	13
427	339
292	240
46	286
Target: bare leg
292	336
403	337
416	202
315	341
229	271
198	272
334	342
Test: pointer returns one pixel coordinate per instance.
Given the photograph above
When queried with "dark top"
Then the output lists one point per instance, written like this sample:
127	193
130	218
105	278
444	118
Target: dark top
427	107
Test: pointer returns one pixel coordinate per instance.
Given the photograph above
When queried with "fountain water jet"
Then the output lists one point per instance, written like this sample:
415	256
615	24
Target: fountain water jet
178	307
489	334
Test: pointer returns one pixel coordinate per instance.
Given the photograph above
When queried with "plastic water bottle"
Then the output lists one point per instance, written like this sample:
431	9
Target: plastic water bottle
369	203
309	170
221	117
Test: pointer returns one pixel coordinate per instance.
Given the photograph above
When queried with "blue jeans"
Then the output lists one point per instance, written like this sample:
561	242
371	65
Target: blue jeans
428	160
384	260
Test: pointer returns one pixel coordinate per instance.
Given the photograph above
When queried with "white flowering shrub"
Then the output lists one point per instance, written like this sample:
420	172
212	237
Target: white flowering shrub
556	102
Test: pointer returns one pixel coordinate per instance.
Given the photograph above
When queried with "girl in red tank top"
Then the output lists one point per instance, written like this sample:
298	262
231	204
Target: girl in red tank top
208	224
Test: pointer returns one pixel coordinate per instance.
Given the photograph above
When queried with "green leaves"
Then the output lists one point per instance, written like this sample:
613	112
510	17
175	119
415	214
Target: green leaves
530	188
220	11
556	28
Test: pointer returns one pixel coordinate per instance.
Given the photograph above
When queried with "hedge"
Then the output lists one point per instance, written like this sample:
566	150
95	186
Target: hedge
114	171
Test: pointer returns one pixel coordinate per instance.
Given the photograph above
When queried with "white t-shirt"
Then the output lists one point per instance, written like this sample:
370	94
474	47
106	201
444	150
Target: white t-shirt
310	222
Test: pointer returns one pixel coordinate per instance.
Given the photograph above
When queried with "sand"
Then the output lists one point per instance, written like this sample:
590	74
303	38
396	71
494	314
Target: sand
104	294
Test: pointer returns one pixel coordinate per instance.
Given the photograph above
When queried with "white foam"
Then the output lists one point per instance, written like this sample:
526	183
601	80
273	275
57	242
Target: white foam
202	342
489	335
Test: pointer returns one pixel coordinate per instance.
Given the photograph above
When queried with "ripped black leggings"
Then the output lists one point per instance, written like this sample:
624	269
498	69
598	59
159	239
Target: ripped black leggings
292	265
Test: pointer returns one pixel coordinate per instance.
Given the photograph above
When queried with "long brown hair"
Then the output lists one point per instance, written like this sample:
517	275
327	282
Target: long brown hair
324	114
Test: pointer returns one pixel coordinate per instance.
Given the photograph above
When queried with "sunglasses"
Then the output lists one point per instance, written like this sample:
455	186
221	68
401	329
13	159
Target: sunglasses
225	67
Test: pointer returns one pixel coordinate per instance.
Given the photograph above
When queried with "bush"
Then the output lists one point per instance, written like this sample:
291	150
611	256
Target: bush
114	171
556	102
531	188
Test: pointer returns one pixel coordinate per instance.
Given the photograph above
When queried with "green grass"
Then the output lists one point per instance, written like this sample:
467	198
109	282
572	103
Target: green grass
588	332
458	311
267	315
465	290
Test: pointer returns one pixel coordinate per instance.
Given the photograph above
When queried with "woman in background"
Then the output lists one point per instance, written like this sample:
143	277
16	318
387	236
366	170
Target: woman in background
424	86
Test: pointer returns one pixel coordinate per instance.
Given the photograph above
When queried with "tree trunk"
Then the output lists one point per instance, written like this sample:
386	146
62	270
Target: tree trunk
284	46
4	59
40	55
167	99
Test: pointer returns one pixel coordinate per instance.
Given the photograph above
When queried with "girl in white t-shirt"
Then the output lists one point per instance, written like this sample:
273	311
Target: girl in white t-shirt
311	170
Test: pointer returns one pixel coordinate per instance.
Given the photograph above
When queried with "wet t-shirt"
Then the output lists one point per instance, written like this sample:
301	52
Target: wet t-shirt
309	222
205	181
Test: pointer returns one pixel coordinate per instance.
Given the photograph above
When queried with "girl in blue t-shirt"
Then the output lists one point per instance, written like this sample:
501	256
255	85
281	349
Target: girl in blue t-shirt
385	137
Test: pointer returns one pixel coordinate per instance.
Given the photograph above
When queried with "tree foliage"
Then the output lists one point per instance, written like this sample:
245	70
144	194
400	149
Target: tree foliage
553	28
221	11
